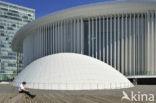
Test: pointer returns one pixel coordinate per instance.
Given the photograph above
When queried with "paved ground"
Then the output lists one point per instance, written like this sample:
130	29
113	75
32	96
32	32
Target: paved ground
9	94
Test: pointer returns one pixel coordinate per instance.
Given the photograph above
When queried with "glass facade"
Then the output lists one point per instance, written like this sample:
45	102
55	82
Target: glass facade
12	18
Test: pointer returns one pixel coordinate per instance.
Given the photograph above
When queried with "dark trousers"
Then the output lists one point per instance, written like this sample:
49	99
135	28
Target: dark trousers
27	93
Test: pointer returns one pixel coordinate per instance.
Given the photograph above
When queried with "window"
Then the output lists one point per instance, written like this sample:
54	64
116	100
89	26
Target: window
9	28
1	27
2	34
4	9
13	11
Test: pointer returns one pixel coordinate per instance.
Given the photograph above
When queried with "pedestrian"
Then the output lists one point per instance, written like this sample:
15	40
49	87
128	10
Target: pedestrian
21	89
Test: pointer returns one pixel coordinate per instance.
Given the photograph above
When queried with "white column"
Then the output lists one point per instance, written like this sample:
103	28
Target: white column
44	46
68	36
51	33
118	46
115	40
122	45
41	41
107	46
71	34
130	45
82	36
134	53
111	47
44	40
62	34
78	36
53	39
104	40
152	43
39	52
65	35
37	42
137	45
148	43
92	38
47	39
96	44
36	37
33	46
142	33
126	47
41	33
74	34
39	49
50	38
58	36
100	43
58	39
89	37
45	31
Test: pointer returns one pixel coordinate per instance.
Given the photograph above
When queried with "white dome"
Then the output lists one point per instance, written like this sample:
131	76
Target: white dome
69	71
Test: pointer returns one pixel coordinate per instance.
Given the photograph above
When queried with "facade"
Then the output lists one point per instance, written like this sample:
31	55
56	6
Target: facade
121	34
71	71
12	18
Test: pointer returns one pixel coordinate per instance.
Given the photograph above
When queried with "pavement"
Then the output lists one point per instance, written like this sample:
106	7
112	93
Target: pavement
9	94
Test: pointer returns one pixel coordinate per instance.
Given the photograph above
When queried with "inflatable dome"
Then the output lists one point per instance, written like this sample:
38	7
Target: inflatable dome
69	71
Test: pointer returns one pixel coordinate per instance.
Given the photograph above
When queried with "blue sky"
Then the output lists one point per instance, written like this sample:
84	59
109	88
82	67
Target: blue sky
44	7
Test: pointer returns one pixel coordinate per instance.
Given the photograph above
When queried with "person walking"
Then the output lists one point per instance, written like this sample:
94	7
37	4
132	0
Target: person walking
21	89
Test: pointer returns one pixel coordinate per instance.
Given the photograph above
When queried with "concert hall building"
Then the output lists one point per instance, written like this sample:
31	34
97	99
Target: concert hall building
121	34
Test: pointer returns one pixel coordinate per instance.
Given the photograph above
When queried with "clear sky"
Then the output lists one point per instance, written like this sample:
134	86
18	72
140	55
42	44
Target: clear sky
44	7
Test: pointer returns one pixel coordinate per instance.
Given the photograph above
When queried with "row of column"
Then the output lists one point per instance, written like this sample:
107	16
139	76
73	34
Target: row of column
151	42
125	41
61	36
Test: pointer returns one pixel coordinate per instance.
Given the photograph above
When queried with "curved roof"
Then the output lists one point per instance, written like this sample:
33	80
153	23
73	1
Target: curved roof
92	10
69	71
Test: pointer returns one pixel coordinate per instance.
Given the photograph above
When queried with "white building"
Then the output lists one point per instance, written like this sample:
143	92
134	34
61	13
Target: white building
121	34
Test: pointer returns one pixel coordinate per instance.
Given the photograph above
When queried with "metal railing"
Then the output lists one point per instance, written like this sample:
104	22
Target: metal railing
75	86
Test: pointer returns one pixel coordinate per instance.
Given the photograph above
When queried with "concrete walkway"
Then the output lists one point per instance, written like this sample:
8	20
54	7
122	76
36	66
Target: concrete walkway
9	94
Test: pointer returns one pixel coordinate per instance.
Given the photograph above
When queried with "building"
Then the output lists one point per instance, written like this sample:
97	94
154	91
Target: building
121	34
12	18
